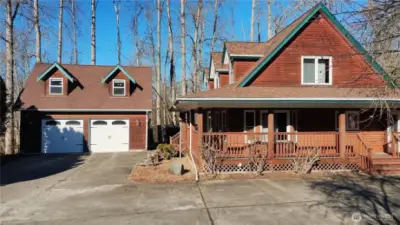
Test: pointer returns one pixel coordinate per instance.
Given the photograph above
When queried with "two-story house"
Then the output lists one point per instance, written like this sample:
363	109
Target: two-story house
85	108
311	86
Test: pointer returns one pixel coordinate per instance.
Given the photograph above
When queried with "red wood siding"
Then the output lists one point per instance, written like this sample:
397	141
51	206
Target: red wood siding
56	74
240	67
31	128
210	85
223	79
119	76
319	38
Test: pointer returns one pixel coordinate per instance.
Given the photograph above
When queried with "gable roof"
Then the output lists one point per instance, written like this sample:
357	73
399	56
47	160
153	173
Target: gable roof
246	48
282	38
116	69
51	68
89	92
217	59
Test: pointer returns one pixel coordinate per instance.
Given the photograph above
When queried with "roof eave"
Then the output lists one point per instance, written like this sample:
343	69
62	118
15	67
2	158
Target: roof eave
60	68
120	68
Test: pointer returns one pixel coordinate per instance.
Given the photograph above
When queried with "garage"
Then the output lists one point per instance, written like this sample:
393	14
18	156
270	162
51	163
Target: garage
62	136
109	135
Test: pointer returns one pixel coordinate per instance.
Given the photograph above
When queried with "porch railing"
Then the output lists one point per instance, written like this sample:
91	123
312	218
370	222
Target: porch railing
365	154
286	145
174	140
236	144
395	137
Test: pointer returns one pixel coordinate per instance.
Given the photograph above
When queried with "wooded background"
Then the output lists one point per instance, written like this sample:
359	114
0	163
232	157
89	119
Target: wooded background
175	37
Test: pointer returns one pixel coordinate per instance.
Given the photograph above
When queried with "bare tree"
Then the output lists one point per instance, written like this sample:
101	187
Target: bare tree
117	6
269	20
60	29
135	26
93	32
9	117
253	6
183	48
171	57
158	66
74	31
37	31
217	4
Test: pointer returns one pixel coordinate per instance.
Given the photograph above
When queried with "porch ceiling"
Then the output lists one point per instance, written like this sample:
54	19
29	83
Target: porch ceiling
184	104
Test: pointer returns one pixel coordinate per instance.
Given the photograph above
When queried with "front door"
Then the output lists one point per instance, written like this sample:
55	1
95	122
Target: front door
281	125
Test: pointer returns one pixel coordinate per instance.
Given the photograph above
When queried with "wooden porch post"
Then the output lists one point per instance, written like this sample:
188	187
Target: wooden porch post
182	131
271	135
342	134
199	121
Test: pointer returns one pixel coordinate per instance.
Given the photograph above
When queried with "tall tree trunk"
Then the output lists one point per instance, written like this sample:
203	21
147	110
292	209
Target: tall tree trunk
200	47
60	28
74	40
215	20
253	6
138	10
183	48
158	79
171	60
93	33
269	17
9	119
37	31
117	5
196	19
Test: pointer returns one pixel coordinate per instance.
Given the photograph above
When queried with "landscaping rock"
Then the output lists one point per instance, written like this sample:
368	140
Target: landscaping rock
176	168
152	159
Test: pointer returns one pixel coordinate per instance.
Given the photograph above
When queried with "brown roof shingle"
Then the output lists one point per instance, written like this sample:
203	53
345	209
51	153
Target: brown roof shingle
217	59
93	94
243	48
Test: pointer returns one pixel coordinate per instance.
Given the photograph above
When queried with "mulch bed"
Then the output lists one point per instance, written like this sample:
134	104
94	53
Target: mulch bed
160	173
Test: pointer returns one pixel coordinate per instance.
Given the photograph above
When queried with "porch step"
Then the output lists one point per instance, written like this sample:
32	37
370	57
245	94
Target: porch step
386	166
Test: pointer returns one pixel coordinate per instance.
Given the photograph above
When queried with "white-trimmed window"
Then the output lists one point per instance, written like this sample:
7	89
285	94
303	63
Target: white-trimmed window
316	70
352	120
56	86
119	87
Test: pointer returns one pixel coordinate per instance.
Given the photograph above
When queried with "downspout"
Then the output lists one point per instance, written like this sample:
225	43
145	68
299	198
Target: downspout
190	148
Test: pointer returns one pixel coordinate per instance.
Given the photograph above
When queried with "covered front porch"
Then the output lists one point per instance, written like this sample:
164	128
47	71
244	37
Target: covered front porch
343	138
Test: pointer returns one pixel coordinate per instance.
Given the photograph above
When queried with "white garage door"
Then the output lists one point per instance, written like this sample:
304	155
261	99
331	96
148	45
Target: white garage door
62	136
109	135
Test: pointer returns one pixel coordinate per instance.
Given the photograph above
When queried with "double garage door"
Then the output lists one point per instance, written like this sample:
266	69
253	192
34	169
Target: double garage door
67	135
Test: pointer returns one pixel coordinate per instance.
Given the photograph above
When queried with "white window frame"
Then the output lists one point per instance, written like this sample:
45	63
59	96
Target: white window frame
216	80
209	122
287	119
357	122
223	119
316	69
245	124
62	85
264	137
113	87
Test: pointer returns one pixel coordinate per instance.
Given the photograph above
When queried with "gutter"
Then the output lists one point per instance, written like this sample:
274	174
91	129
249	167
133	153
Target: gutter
286	99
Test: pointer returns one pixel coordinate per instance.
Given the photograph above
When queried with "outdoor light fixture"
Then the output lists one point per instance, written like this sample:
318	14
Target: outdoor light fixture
137	123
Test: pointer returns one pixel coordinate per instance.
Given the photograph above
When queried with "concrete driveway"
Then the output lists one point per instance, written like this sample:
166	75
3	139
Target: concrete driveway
93	189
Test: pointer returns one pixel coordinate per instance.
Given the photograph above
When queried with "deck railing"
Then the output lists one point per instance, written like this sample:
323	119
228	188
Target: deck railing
365	154
286	145
395	144
236	144
290	144
174	140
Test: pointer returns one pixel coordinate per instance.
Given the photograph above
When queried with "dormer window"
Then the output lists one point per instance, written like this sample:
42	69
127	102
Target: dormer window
56	86
119	87
316	70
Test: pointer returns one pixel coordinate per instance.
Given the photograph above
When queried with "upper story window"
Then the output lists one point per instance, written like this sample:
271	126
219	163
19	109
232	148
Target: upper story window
316	70
118	87
231	74
56	86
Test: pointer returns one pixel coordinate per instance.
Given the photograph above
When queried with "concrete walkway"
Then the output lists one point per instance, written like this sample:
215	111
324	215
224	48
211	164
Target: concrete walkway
93	189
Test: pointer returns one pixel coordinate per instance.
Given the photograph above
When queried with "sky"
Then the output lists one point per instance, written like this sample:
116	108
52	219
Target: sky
106	29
